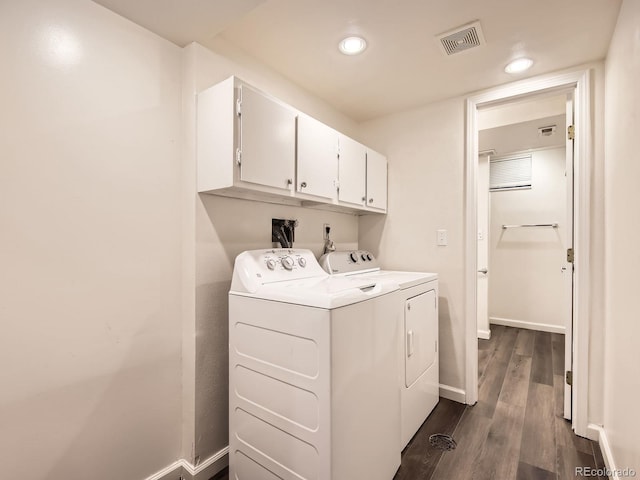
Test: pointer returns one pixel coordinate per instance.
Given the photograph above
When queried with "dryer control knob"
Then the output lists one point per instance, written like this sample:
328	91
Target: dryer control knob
354	257
271	264
287	263
302	262
363	257
369	257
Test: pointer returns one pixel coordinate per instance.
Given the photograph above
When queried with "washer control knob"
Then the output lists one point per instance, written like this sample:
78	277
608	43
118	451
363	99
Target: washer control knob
271	264
287	263
302	262
369	257
354	257
363	257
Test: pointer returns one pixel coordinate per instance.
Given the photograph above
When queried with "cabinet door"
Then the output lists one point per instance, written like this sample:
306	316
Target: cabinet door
376	180
421	334
352	171
317	158
267	140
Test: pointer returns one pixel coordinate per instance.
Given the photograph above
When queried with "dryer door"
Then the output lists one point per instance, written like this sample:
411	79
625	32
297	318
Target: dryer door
420	329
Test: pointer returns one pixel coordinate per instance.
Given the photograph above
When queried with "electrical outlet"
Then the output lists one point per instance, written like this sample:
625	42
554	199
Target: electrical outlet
443	238
480	235
326	228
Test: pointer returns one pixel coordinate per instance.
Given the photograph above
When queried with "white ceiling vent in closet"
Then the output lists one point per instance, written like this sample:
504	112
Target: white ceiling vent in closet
461	38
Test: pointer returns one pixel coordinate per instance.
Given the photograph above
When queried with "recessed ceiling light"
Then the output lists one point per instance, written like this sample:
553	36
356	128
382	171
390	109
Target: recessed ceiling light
519	65
352	45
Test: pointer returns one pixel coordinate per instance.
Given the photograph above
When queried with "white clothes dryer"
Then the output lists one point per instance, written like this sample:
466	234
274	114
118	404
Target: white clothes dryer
417	303
312	372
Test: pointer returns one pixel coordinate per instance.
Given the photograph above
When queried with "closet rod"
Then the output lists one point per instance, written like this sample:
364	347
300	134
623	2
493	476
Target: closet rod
526	225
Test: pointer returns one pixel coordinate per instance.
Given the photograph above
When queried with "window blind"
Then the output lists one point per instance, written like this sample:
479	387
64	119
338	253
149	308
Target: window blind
510	172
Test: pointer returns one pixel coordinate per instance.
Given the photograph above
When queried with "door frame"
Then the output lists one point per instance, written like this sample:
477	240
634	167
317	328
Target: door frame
581	81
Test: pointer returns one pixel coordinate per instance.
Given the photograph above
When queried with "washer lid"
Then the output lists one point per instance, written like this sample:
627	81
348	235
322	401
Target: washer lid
325	292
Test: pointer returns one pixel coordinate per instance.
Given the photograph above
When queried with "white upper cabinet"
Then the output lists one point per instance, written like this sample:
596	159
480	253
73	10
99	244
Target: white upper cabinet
362	176
250	145
245	141
352	171
267	140
376	181
317	158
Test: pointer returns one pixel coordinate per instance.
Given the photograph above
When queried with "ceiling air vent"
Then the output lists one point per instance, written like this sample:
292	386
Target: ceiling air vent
547	131
461	38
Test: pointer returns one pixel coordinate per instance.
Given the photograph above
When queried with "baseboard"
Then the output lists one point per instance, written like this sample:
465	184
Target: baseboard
484	334
542	327
184	470
593	432
207	469
453	393
605	448
172	472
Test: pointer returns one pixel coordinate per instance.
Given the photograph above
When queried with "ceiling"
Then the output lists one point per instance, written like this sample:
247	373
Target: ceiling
403	66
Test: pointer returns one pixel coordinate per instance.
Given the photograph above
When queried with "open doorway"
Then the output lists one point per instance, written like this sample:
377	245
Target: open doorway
579	81
525	229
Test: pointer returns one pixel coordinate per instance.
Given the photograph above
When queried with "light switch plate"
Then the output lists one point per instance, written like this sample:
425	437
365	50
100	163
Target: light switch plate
443	238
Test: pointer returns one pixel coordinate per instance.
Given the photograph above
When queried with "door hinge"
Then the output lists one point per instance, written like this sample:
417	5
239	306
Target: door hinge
569	377
239	107
571	132
570	255
238	156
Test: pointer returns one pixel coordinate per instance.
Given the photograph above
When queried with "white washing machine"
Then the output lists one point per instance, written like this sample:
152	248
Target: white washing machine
312	372
417	303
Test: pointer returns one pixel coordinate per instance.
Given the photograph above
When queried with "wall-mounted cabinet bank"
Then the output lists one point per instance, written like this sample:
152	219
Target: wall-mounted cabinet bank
251	145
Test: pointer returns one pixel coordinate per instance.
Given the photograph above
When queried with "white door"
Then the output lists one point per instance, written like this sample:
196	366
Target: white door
482	282
352	168
376	180
420	335
267	140
567	268
317	158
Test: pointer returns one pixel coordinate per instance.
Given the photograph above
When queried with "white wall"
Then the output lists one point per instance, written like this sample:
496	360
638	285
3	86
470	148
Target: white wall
90	244
526	280
622	170
540	106
222	228
425	152
482	293
521	136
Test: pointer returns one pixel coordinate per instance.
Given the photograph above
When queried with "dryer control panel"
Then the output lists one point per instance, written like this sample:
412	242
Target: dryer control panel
349	261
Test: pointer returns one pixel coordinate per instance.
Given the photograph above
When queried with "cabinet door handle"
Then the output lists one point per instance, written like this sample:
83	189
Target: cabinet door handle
371	200
289	181
303	184
364	199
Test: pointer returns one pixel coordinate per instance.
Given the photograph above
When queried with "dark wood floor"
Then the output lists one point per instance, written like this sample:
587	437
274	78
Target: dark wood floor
516	431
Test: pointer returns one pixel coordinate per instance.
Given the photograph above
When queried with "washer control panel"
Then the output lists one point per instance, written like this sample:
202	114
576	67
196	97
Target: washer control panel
285	260
259	267
349	261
